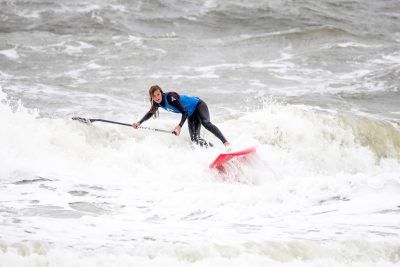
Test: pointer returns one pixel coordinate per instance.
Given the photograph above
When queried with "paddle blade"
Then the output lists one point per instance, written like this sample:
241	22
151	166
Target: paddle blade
82	120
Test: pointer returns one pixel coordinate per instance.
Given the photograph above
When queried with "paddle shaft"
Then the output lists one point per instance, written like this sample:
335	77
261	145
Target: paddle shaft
120	123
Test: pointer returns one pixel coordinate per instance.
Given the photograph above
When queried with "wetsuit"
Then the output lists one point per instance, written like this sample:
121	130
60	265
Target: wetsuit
194	110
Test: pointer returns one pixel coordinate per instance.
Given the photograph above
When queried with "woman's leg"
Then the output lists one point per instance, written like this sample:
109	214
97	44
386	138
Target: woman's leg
204	115
194	125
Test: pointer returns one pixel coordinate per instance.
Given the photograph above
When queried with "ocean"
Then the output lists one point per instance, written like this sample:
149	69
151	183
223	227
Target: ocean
313	85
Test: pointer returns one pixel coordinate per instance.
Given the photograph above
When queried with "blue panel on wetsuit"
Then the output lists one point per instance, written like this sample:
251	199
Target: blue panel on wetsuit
188	103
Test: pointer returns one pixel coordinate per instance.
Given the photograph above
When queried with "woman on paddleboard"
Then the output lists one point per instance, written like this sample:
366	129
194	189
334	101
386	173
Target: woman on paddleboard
192	108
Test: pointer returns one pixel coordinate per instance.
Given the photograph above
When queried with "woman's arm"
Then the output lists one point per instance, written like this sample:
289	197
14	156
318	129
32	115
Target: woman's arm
173	99
145	118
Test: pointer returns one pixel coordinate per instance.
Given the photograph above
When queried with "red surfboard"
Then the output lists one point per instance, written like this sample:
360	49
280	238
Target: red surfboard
225	157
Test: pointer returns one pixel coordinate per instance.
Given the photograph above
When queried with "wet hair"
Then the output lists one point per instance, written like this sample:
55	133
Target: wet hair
154	105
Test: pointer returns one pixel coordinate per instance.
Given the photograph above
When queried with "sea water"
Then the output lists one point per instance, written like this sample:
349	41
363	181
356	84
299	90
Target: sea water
313	85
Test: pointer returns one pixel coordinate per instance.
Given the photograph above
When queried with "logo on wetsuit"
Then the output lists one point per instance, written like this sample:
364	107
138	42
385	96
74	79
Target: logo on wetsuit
188	103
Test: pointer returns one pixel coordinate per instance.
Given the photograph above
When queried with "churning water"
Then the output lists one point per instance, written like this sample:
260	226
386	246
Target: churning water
314	85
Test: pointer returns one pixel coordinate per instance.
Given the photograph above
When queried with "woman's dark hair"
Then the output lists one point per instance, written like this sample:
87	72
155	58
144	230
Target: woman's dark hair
154	105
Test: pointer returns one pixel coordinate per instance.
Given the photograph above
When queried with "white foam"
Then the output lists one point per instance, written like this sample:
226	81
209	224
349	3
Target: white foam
5	76
254	254
131	39
80	8
310	180
77	48
30	14
351	44
10	53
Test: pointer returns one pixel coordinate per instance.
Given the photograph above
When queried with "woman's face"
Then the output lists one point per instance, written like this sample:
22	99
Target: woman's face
157	96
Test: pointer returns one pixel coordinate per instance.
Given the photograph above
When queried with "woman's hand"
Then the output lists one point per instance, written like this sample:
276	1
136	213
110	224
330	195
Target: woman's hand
136	125
177	130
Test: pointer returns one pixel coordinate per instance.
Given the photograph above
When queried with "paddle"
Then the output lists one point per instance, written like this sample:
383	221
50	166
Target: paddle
88	121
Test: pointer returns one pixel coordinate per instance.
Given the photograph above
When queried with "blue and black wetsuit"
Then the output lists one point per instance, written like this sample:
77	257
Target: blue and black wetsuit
194	110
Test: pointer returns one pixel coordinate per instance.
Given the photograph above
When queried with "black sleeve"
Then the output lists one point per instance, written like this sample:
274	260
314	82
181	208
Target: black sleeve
173	99
146	117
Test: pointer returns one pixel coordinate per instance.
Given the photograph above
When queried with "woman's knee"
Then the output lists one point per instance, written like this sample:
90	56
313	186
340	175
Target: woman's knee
208	125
